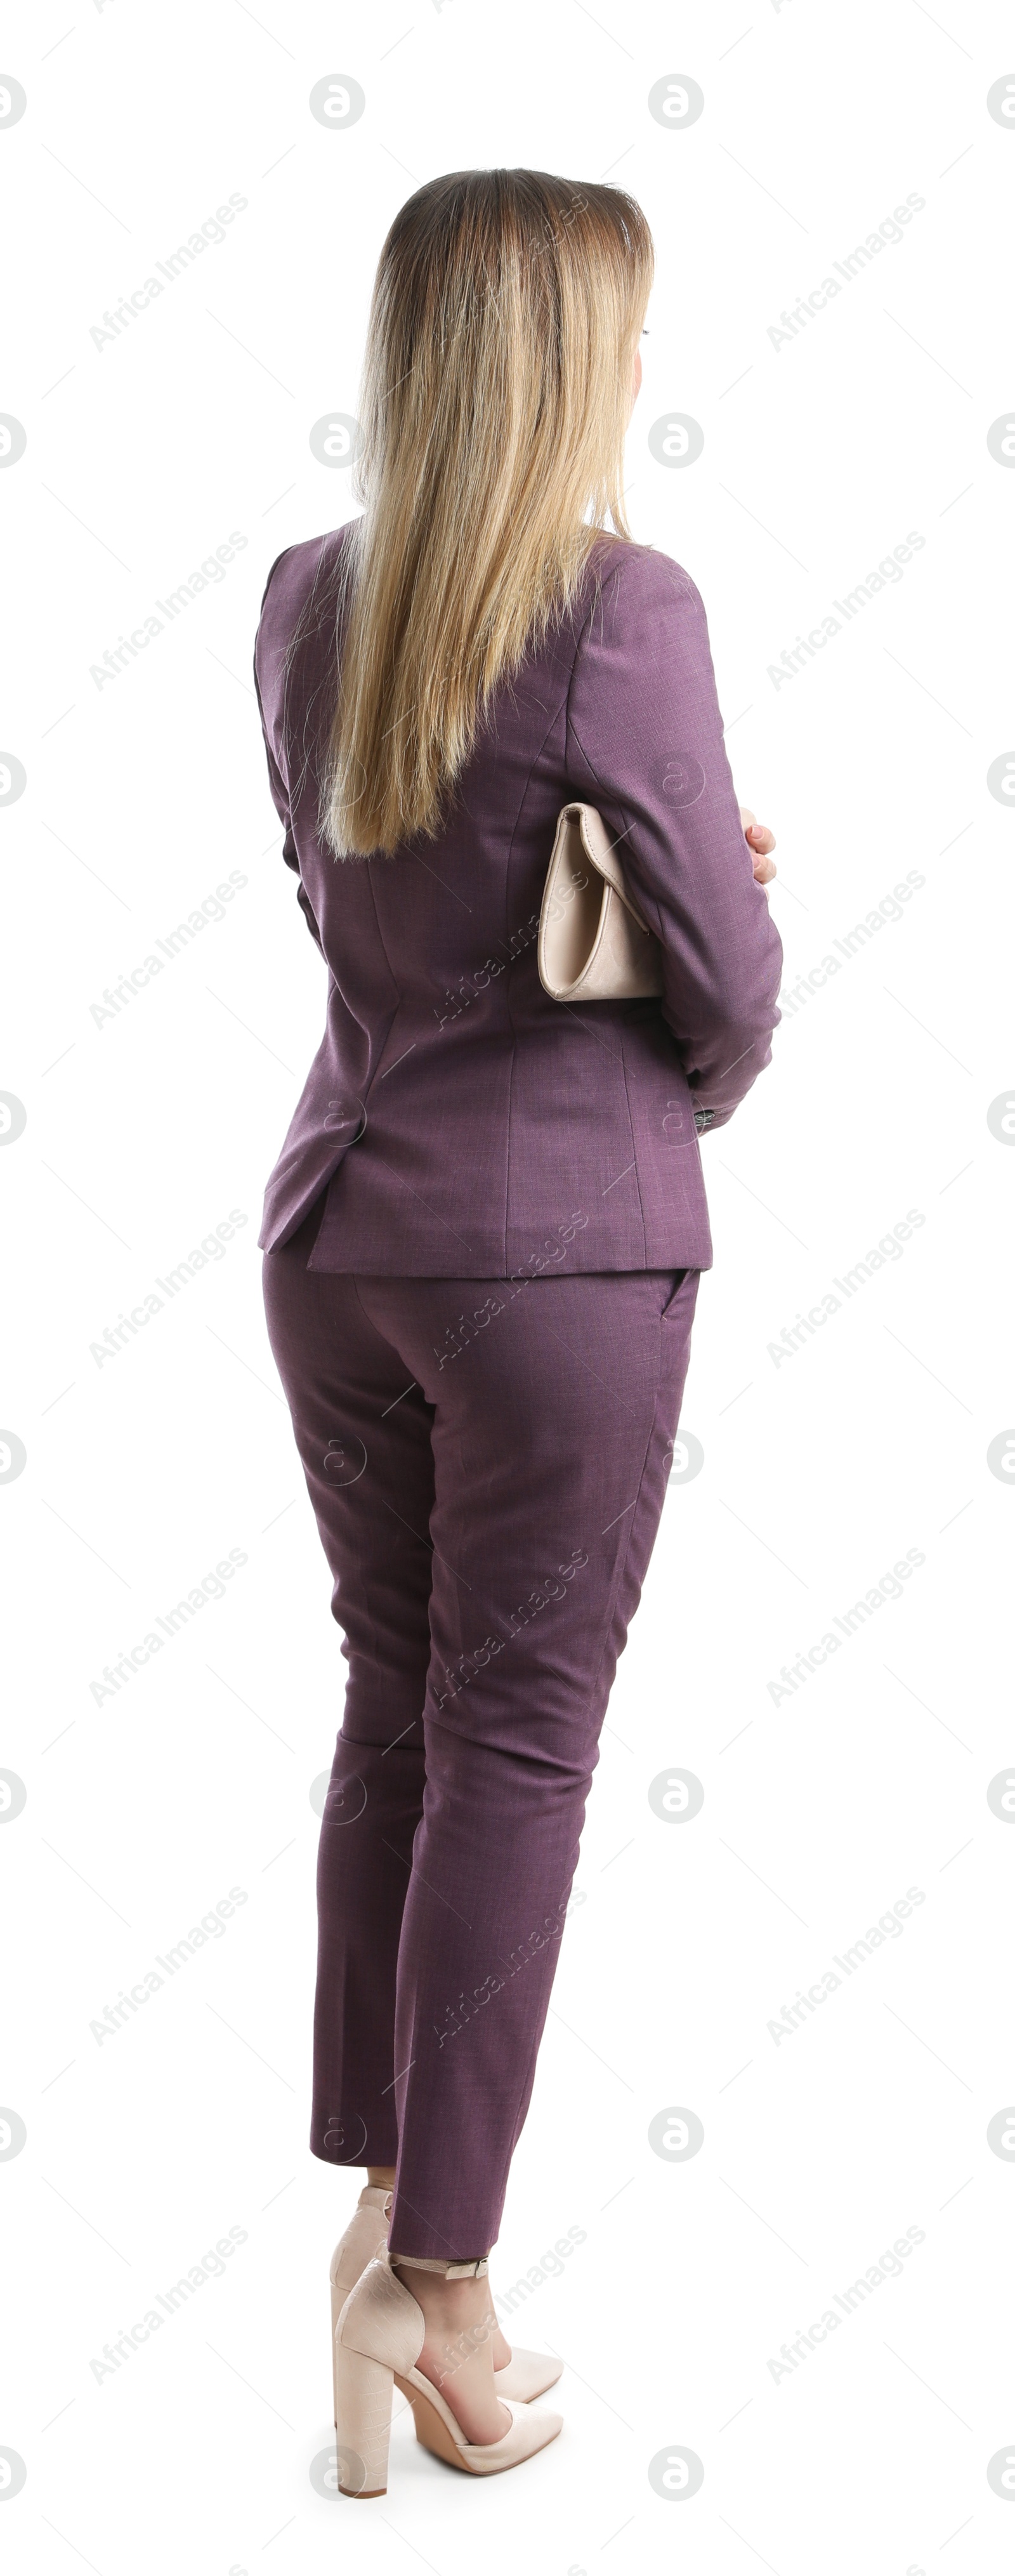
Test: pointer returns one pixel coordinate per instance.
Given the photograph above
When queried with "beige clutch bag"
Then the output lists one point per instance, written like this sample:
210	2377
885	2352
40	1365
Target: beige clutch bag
593	944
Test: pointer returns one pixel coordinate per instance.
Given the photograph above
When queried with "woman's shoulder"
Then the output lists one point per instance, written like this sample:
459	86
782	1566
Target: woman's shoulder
297	620
301	574
639	571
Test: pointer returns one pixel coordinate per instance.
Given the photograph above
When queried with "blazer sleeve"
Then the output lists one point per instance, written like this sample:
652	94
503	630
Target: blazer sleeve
267	667
645	744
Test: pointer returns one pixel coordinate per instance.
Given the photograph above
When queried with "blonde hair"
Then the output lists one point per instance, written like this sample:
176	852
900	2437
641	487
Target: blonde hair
496	393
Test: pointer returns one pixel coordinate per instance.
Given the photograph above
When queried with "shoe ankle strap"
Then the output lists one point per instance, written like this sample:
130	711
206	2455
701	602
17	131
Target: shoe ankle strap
451	2271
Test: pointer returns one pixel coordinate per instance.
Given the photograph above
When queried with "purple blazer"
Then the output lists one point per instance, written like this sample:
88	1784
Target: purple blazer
466	1125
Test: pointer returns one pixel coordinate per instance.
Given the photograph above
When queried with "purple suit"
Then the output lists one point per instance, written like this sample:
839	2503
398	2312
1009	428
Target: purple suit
482	1244
460	1115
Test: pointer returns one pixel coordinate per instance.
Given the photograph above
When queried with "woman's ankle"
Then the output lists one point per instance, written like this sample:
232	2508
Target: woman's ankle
459	2314
456	2354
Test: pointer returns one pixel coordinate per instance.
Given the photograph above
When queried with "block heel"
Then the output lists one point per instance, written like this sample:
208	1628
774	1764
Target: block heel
363	2395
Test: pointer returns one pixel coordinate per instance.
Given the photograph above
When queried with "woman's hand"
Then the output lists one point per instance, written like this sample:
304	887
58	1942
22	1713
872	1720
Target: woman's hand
759	842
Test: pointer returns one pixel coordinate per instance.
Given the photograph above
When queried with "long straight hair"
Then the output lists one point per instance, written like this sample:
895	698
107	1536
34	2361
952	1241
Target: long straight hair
506	312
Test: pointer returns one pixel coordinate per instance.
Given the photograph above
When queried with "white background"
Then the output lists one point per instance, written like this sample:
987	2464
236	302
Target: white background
143	1132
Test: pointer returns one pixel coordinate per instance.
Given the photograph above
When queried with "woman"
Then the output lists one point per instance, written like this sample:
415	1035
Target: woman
484	1231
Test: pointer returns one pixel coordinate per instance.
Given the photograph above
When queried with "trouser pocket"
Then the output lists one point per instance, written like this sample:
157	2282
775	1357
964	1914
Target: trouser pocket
672	1282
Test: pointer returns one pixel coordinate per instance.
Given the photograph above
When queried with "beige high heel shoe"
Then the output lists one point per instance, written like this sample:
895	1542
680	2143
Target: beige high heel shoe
525	2376
381	2331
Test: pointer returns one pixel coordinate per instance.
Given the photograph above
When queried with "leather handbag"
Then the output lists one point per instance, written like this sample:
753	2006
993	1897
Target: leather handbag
593	944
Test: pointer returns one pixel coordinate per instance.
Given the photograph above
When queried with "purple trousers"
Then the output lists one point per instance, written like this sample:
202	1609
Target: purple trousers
487	1460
